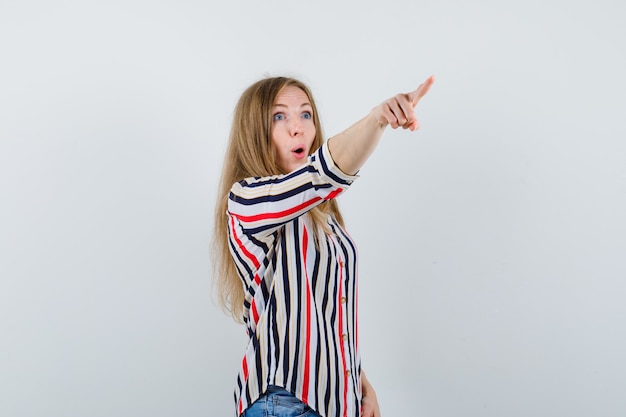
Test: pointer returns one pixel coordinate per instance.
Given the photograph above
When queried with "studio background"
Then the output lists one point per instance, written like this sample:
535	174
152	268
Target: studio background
492	241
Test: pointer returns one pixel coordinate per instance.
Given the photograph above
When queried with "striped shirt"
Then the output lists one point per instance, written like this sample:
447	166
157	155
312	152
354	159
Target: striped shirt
300	307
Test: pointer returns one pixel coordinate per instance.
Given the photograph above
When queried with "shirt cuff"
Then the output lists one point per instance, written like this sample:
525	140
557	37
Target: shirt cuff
329	168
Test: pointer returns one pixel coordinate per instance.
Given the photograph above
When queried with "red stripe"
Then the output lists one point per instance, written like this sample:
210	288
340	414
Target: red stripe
343	353
333	194
244	367
255	313
245	250
307	300
276	215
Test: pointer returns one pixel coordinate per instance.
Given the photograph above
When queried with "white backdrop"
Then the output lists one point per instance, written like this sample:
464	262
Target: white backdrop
496	289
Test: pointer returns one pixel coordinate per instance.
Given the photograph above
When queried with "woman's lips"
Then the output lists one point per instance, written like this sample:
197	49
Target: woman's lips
298	152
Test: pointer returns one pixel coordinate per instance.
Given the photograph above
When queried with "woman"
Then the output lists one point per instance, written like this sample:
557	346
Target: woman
286	266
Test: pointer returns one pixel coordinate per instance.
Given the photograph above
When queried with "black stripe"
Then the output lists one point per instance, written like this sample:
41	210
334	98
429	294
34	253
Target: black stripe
276	179
330	173
258	243
273	198
316	267
325	299
299	278
338	374
272	329
261	229
287	298
239	385
258	362
241	264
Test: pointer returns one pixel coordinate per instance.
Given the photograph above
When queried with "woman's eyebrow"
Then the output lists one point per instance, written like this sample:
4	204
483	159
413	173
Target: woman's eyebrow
301	105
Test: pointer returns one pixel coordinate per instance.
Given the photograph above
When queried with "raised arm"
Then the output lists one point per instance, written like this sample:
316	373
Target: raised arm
351	148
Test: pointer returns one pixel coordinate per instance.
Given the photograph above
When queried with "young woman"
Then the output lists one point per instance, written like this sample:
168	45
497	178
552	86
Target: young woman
286	267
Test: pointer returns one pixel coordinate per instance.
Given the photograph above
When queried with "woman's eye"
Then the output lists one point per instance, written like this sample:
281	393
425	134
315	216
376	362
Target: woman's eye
307	115
278	116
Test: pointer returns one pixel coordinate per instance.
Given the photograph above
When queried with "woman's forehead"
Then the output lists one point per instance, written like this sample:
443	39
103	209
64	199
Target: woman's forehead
291	95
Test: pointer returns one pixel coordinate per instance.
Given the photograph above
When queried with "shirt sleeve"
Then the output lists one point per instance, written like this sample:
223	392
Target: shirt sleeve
264	203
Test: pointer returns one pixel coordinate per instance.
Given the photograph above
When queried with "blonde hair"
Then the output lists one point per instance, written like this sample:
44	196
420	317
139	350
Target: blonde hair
250	153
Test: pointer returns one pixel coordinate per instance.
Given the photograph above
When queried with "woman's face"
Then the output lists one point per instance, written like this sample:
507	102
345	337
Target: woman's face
293	130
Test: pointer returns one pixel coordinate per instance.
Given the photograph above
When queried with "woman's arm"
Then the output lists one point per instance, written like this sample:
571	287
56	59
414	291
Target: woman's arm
351	148
369	403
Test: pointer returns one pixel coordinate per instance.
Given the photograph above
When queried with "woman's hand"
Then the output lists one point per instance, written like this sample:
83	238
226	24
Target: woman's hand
399	110
369	402
351	148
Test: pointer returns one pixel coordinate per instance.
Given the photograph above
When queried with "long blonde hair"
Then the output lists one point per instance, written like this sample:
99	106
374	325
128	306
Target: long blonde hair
250	153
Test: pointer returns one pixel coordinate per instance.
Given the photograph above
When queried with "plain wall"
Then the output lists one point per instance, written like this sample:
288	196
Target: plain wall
492	241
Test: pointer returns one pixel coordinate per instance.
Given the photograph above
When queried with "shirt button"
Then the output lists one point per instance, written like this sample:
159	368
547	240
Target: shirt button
343	300
341	264
344	336
348	372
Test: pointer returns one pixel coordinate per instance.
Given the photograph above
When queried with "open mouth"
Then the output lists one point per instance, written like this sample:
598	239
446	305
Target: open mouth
299	151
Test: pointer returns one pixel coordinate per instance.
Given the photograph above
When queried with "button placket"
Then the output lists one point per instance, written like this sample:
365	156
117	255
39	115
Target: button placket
345	339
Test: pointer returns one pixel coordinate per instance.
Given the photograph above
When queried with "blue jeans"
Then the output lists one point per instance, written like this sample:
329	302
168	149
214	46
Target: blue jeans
278	402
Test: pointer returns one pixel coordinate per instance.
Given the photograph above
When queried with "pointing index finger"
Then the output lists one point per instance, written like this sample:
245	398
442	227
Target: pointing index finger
416	95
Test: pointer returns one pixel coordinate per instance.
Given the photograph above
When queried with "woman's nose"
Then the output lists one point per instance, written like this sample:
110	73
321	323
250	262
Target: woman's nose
295	127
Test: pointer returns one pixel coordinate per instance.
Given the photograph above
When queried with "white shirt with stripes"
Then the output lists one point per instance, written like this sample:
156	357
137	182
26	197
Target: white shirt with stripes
300	307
